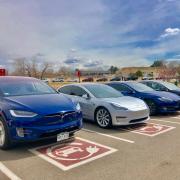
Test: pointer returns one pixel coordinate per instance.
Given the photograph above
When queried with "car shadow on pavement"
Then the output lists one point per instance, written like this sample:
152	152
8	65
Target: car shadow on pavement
115	130
166	115
20	150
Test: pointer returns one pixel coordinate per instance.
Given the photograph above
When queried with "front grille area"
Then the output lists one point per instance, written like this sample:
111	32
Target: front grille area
138	120
59	115
59	118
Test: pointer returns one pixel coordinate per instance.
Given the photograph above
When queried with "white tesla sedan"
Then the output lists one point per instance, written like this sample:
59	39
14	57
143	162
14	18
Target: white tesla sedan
105	105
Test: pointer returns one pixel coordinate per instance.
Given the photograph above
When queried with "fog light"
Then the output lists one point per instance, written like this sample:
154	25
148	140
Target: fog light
20	132
120	118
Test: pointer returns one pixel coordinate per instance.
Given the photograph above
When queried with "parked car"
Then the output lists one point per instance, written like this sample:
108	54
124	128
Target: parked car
31	110
147	78
58	80
45	80
163	86
103	79
158	102
115	79
89	79
105	105
72	80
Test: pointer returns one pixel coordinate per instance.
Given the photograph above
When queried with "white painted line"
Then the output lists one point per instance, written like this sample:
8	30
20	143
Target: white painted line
166	121
65	168
8	173
110	136
176	117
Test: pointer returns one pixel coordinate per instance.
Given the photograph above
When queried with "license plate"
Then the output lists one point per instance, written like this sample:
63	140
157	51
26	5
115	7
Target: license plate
62	136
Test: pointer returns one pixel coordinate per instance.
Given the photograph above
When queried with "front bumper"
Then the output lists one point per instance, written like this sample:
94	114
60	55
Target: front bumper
169	107
35	129
130	117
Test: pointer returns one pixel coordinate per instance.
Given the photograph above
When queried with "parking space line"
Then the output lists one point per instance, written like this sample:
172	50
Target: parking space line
166	121
7	172
176	117
107	135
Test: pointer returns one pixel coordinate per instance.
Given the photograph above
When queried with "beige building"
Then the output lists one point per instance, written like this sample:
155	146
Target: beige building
147	71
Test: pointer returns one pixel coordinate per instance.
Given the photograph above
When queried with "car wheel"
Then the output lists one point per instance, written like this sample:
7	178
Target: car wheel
103	118
152	107
5	142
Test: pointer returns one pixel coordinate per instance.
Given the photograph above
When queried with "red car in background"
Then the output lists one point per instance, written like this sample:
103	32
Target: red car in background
89	79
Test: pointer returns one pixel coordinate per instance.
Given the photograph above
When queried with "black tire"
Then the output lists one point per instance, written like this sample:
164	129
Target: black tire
106	120
6	143
152	107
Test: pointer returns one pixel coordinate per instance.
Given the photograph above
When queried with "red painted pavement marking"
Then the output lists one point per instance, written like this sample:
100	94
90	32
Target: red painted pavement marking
151	129
71	155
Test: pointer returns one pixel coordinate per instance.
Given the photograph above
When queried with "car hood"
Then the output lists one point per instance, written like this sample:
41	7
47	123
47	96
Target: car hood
128	102
41	104
159	94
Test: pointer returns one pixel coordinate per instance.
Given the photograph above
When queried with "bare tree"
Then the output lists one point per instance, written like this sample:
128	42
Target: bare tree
45	67
31	68
19	67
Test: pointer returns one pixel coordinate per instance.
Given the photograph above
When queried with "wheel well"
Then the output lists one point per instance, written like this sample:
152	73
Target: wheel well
2	115
149	100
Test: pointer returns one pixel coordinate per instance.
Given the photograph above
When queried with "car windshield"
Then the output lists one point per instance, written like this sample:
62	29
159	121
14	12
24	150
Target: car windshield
23	88
103	91
170	86
139	87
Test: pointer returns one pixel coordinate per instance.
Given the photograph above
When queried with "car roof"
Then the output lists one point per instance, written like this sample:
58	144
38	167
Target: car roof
122	82
82	84
15	78
158	81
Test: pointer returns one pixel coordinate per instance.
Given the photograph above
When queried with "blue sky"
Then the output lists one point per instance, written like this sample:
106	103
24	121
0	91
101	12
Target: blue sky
90	33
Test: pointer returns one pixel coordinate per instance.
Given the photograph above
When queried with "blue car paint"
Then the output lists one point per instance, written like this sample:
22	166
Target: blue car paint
40	126
163	106
176	91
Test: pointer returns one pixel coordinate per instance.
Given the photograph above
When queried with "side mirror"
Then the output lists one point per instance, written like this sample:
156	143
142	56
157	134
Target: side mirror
130	92
86	96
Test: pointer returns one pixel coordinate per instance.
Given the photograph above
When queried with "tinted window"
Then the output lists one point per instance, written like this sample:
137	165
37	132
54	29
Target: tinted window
23	88
170	86
65	90
139	87
120	87
156	86
103	91
77	91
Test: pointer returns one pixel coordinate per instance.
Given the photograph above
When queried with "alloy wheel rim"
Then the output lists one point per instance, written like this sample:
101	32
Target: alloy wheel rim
103	118
2	134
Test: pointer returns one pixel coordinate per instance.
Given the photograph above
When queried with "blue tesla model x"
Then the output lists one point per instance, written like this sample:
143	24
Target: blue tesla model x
31	110
158	102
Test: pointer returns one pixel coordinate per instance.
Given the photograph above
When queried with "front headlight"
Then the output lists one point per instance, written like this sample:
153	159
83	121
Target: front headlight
18	113
78	107
118	107
165	99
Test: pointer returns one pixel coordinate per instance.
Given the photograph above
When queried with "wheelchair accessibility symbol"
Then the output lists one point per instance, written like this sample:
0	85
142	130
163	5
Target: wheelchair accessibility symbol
72	152
152	129
71	155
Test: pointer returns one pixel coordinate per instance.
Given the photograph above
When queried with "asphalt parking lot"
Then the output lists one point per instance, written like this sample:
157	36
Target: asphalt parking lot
138	152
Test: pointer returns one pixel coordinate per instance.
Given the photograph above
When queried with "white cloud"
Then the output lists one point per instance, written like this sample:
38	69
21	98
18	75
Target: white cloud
170	32
91	28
